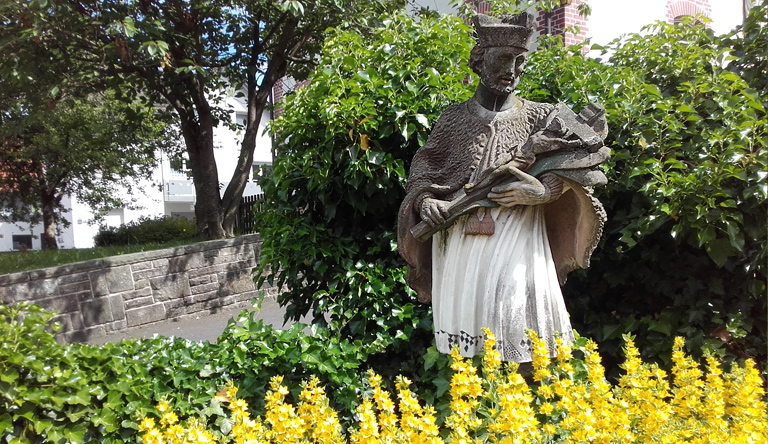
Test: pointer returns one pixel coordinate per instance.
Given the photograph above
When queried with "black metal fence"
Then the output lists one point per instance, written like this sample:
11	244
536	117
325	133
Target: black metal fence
249	205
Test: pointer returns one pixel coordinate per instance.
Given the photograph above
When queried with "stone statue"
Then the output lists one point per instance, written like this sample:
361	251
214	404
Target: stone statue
499	206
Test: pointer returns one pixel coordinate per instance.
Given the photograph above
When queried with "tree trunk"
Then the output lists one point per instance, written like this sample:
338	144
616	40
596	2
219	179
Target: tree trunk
258	96
198	138
48	236
234	191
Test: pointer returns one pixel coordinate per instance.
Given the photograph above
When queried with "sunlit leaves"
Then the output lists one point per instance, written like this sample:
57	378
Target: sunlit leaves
684	248
53	392
345	142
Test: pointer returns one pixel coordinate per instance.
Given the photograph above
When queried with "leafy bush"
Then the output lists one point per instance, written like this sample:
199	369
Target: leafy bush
684	249
344	144
147	230
54	393
251	353
570	402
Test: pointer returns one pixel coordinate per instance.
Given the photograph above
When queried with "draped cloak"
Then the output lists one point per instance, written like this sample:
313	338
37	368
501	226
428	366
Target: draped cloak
450	159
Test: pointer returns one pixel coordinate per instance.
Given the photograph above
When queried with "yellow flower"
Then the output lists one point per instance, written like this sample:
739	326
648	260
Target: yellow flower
466	389
545	391
175	433
238	406
540	357
231	391
491	357
147	424
563	350
153	436
714	408
368	430
169	418
162	407
565	367
320	420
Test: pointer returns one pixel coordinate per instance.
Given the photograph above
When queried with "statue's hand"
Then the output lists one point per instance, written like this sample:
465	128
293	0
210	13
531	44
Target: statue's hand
542	143
434	211
527	191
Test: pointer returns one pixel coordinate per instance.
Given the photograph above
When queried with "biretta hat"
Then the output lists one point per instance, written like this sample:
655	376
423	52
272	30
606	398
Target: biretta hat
508	30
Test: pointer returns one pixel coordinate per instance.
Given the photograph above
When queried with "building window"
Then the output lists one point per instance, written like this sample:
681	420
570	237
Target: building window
678	11
289	85
22	242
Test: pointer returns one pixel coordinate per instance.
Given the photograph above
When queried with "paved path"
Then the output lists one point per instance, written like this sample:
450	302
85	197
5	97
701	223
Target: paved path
200	326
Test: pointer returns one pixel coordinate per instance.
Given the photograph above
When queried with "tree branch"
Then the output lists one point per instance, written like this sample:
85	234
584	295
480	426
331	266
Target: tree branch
300	60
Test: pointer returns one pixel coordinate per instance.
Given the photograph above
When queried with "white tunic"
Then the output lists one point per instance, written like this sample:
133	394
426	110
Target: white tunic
506	282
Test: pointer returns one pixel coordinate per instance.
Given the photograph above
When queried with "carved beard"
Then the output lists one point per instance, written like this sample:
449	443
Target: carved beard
498	86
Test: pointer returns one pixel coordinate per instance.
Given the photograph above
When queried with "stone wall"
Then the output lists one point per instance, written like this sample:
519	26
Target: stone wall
96	297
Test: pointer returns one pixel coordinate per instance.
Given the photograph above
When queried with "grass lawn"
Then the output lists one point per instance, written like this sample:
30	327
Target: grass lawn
13	261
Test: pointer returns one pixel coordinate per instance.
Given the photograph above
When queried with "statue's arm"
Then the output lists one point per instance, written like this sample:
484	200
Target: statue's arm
555	186
427	204
427	181
528	190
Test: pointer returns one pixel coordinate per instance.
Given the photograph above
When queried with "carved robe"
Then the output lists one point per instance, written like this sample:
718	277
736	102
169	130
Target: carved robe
508	281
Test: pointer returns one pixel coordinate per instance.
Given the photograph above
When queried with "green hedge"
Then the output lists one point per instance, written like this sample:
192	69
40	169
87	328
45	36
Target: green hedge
147	230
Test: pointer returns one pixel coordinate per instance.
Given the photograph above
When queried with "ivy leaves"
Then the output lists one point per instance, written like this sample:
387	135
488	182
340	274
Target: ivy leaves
51	392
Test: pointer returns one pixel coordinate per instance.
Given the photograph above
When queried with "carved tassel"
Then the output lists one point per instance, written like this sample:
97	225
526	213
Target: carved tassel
480	223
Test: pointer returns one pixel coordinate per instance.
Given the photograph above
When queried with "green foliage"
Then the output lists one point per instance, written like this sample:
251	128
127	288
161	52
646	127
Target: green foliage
55	393
684	249
252	353
147	230
344	146
749	55
468	8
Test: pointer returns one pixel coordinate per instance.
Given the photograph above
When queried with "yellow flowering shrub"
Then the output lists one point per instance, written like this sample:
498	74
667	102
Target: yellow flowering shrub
495	404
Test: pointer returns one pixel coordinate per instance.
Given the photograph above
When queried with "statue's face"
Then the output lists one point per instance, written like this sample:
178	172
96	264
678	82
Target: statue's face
502	67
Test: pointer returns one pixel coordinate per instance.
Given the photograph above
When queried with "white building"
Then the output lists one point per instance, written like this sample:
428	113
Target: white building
168	192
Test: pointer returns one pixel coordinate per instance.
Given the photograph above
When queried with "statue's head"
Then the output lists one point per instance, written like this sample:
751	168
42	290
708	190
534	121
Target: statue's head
502	50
